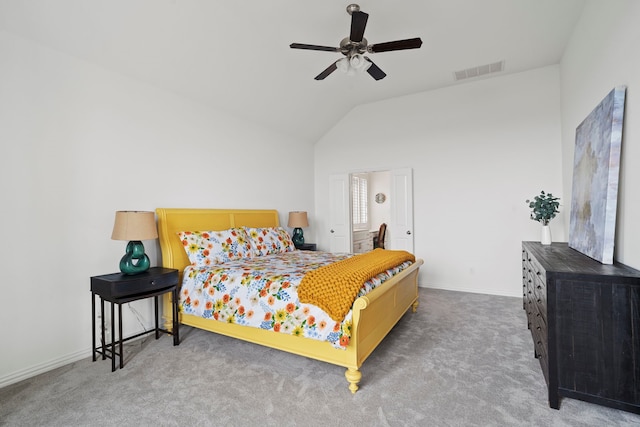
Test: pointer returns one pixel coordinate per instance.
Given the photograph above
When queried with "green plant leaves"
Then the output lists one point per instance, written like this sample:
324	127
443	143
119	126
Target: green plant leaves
544	207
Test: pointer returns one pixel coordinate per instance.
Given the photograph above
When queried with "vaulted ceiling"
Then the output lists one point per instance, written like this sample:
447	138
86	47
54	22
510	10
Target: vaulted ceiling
235	56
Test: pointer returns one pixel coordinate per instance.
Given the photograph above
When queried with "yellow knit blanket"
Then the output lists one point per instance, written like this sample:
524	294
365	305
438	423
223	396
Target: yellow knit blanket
334	287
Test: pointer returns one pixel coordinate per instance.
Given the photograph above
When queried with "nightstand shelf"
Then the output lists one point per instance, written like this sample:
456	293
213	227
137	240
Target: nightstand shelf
120	289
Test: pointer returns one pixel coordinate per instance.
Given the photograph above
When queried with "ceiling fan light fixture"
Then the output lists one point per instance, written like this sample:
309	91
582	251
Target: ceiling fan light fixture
357	61
353	64
343	65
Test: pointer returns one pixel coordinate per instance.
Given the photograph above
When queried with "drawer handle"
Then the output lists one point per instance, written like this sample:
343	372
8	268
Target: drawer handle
153	282
539	328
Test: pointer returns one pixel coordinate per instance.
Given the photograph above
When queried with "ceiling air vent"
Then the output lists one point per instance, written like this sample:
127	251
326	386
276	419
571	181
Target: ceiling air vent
478	71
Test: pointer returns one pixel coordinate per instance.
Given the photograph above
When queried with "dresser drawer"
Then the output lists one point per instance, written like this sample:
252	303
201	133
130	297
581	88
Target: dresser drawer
531	310
539	334
541	305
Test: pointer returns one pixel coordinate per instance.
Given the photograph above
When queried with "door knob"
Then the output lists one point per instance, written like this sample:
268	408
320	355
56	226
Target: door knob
408	232
332	231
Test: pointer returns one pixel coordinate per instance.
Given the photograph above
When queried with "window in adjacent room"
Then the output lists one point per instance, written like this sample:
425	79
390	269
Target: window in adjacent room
360	201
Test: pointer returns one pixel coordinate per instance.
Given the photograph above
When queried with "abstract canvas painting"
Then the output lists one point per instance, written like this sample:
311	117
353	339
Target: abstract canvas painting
596	170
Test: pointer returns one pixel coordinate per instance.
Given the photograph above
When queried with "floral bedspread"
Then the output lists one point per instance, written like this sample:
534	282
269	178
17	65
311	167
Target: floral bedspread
262	292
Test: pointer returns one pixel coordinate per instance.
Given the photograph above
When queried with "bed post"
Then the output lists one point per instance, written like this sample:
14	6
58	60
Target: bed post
168	262
376	313
353	376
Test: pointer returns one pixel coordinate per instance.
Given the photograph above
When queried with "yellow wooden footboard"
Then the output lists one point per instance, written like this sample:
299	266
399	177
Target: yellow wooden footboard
374	314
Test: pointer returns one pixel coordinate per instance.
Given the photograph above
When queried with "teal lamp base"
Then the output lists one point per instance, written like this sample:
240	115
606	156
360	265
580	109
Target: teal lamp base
134	261
298	237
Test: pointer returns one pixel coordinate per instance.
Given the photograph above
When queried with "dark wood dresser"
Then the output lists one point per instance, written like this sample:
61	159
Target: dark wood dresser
584	318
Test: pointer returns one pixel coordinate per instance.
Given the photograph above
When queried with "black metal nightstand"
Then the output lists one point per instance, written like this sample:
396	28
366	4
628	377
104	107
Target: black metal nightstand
119	289
307	247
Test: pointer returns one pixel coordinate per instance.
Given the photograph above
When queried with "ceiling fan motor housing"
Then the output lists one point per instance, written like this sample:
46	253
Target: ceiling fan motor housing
350	48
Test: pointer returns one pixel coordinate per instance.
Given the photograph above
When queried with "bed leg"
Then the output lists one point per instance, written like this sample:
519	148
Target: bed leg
414	306
353	376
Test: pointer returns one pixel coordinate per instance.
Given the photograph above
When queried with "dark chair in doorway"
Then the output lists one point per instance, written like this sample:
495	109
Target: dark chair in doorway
378	241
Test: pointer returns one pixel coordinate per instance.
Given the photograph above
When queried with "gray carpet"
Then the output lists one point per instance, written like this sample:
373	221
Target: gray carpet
462	360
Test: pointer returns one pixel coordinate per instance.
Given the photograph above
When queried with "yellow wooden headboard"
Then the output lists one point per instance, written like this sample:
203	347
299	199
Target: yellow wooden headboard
172	221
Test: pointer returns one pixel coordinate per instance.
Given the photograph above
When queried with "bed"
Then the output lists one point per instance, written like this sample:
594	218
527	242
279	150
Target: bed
372	315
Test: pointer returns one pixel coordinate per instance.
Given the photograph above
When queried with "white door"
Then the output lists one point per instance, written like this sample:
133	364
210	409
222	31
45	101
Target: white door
400	228
340	213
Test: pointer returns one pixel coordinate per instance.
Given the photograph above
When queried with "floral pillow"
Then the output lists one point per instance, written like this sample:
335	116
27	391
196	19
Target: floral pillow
270	240
205	248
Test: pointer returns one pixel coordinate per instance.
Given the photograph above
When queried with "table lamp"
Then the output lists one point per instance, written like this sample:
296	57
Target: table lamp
134	226
297	220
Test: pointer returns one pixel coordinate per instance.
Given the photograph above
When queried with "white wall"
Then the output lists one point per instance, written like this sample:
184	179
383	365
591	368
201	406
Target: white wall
78	143
602	54
478	151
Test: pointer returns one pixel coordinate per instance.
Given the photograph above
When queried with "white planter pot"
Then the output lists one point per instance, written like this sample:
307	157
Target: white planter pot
545	237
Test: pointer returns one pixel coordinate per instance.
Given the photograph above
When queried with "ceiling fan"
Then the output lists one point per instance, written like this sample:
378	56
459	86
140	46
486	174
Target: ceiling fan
355	45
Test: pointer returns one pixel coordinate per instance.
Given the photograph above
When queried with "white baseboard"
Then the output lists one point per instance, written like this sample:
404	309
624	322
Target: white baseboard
473	290
43	367
49	365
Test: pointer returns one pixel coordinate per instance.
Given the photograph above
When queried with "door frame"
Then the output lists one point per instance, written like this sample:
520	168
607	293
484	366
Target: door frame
341	234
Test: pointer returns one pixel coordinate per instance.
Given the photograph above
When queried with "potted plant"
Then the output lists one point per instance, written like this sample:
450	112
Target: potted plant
544	208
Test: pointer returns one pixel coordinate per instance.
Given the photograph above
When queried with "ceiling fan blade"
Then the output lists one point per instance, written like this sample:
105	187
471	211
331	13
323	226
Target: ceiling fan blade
358	24
395	45
330	69
314	47
375	71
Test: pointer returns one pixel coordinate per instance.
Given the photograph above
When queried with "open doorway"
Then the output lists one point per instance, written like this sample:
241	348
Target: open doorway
370	207
395	192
